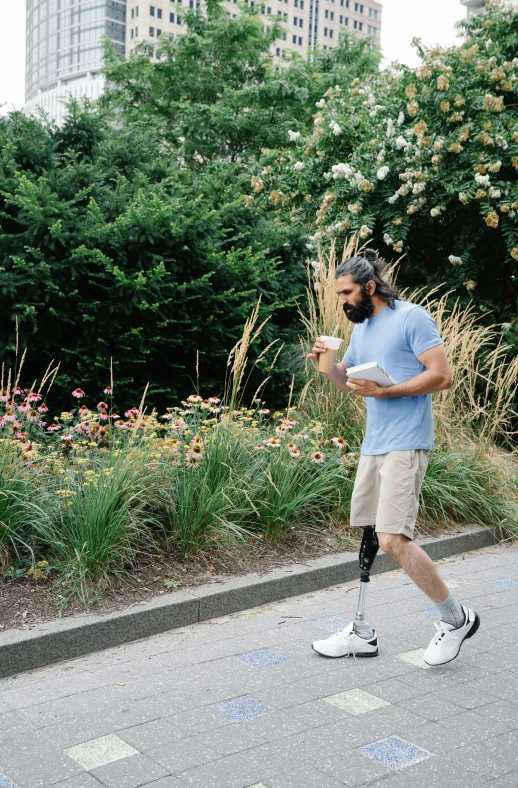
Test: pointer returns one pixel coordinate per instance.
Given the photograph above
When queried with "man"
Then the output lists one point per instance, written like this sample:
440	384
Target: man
403	338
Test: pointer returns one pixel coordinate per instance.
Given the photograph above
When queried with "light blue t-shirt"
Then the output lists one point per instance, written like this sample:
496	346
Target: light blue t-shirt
394	338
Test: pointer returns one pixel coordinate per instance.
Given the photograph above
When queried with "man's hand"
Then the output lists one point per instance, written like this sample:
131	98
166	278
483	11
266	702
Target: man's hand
366	388
318	348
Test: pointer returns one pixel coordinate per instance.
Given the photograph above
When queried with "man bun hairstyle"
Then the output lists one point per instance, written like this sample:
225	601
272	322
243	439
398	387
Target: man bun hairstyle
368	267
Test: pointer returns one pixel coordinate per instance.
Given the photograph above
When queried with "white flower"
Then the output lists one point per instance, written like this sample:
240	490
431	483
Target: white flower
488	43
501	141
380	158
293	135
387	239
365	231
511	214
390	127
438	144
455	260
419	187
496	193
336	129
181	139
298	166
341	170
400	118
495	166
382	172
393	199
506	327
354	207
359	178
463	198
435	211
482	180
401	142
321	104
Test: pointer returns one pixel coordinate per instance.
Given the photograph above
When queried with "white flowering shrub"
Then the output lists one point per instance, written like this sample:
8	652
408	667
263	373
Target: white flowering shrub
426	164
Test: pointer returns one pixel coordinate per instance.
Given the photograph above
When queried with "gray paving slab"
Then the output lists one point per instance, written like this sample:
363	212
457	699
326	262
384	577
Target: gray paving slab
157	696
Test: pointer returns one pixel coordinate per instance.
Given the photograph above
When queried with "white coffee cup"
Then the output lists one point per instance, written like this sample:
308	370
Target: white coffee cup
328	359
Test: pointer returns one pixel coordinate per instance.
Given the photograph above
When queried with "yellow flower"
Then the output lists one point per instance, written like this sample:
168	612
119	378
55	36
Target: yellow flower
420	128
515	136
505	208
455	147
412	108
485	138
423	72
492	219
411	91
366	186
470	285
307	197
514	253
249	200
445	106
256	183
459	101
493	103
442	83
514	162
398	221
480	194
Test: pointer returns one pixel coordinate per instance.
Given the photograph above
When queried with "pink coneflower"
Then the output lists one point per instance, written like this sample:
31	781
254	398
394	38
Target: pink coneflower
33	415
66	437
273	442
282	428
317	456
10	415
131	413
114	415
214	400
192	459
260	446
78	393
196	449
294	453
289	421
197	441
108	390
53	428
24	407
291	445
103	414
34	397
42	408
102	406
17	391
194	398
119	424
42	424
167	416
3	395
21	436
264	412
340	442
215	410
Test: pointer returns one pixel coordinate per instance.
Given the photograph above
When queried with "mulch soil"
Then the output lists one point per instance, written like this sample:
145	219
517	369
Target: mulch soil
25	603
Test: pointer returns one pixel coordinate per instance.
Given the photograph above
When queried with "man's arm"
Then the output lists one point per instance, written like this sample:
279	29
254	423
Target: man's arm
436	377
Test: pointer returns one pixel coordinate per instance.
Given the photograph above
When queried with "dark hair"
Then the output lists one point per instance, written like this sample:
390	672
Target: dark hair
368	267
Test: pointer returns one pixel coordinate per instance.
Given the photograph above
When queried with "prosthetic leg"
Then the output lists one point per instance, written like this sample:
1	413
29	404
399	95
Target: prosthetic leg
368	551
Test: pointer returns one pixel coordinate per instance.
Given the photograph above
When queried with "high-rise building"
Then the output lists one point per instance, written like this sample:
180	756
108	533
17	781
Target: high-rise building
64	50
474	6
307	23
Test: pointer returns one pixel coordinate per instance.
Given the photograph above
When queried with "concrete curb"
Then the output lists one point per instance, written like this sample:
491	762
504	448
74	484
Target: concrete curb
65	639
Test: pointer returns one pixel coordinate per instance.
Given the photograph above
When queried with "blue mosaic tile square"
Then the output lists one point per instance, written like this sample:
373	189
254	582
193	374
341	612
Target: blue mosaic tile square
433	612
331	624
5	782
506	582
395	753
243	708
262	658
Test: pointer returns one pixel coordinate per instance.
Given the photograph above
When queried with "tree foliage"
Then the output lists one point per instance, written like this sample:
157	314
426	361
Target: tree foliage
421	163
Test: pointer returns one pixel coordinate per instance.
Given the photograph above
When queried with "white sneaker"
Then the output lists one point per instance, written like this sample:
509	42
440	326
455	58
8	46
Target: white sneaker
445	644
346	643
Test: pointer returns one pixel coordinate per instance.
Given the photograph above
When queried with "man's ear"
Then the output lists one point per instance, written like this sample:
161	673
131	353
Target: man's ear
370	287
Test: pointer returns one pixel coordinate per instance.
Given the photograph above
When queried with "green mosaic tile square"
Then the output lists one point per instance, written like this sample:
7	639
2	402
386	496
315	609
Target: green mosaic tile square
99	752
414	657
356	701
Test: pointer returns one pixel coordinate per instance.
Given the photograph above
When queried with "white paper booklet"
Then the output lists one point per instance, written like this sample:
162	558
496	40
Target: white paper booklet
371	371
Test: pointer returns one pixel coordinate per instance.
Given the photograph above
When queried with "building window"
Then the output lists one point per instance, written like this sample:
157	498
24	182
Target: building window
326	14
284	36
371	30
178	20
171	18
158	33
358	7
295	21
277	51
325	31
301	22
294	39
151	10
133	13
269	10
159	13
358	25
300	41
152	32
344	3
331	15
330	33
132	32
296	3
301	4
373	13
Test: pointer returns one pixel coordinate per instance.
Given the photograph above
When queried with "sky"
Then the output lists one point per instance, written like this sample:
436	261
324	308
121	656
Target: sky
431	20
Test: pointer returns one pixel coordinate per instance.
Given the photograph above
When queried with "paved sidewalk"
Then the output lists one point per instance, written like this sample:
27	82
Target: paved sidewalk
242	701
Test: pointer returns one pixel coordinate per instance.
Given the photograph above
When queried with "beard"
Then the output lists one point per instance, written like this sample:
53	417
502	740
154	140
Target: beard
360	311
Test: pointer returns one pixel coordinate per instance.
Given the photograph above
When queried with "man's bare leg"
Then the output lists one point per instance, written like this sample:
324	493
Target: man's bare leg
416	563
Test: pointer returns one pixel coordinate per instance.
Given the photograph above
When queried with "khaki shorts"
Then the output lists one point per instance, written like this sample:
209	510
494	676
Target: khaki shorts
386	491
